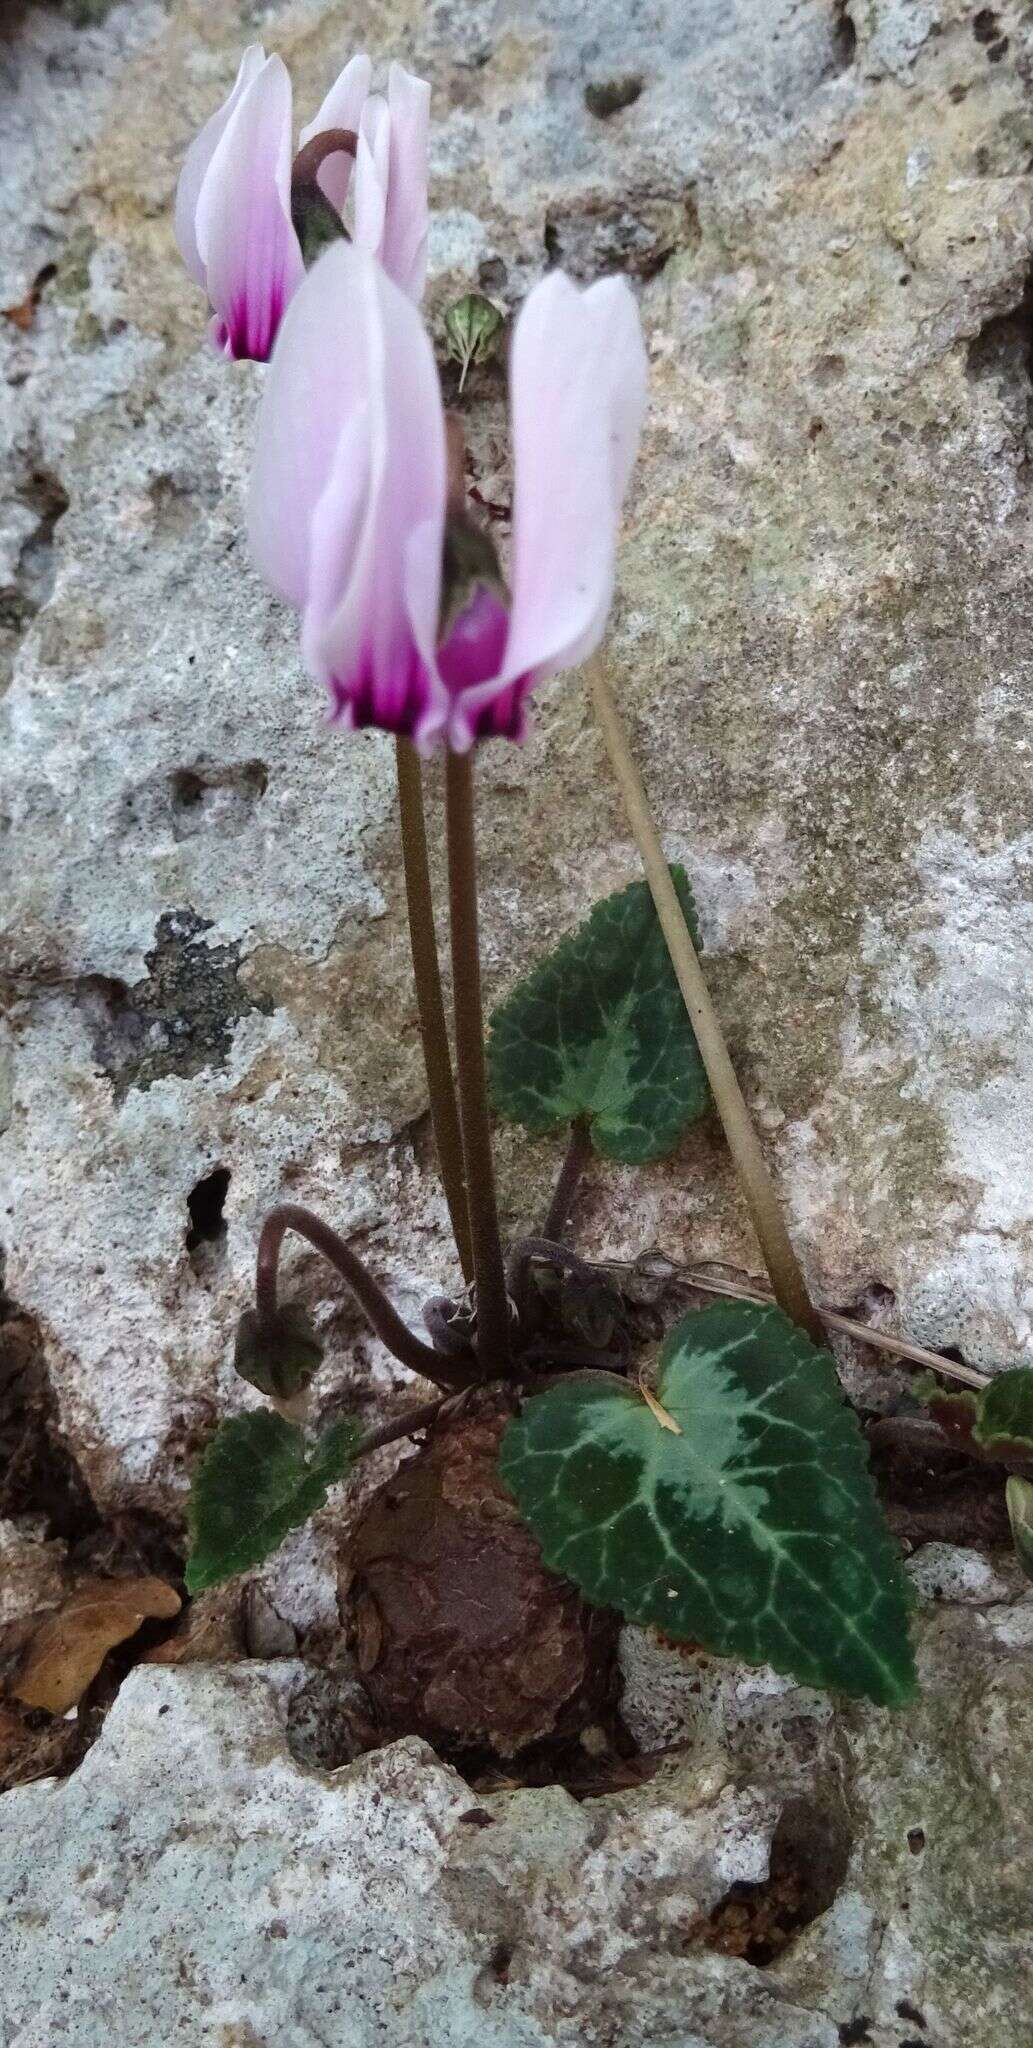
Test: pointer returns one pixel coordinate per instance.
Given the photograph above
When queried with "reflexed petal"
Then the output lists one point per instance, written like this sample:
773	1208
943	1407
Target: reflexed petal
198	158
578	390
244	235
372	167
404	250
374	572
391	180
342	108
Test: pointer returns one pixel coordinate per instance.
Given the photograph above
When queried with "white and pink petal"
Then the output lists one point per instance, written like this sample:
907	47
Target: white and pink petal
577	398
198	158
348	493
245	239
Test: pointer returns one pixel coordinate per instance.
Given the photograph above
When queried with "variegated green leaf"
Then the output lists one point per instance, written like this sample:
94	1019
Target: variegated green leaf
599	1030
754	1531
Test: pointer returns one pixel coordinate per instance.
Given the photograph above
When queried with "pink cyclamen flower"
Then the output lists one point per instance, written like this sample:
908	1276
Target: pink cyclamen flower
405	618
234	221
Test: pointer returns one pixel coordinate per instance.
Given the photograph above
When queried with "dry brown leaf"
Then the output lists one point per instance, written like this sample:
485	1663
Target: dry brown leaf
24	313
70	1647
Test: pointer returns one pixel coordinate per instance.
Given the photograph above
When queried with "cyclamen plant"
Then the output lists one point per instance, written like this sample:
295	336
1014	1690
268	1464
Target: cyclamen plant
724	1498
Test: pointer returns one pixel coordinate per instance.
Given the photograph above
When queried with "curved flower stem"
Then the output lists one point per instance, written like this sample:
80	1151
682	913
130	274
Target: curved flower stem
492	1306
437	1057
578	1154
790	1288
449	1373
330	142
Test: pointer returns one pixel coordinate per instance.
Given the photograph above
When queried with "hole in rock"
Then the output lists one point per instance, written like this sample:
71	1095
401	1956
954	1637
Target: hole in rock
916	1840
853	2032
810	1851
607	96
491	274
844	35
637	233
44	494
1002	353
501	1959
38	1473
985	25
217	795
205	1203
906	2011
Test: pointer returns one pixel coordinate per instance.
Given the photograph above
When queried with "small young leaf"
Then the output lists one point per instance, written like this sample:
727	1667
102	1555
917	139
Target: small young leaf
256	1480
472	327
1004	1423
756	1532
278	1353
599	1029
1019	1496
954	1410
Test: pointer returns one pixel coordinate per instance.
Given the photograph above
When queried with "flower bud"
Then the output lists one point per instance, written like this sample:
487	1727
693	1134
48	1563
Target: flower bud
278	1353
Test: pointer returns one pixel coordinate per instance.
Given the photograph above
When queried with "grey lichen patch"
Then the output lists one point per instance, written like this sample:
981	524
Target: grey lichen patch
373	1049
180	1019
72	279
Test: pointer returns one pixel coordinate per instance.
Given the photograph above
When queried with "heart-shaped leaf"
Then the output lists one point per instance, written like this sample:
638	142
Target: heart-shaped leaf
599	1030
754	1531
257	1479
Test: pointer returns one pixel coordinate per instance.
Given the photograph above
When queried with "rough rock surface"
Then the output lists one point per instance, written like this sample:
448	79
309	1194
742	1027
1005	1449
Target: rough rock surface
193	1881
821	641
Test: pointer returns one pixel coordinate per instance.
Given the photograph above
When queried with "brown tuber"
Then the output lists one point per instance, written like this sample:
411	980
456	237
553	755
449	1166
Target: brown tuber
460	1633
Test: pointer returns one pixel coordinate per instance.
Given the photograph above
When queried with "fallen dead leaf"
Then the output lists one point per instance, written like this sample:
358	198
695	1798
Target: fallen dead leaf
68	1650
23	314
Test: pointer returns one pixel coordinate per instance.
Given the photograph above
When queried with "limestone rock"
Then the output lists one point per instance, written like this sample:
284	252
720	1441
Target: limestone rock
821	642
193	1876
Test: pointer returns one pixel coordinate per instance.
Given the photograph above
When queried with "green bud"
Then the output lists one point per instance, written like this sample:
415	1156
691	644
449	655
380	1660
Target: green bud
469	562
316	223
278	1354
472	327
